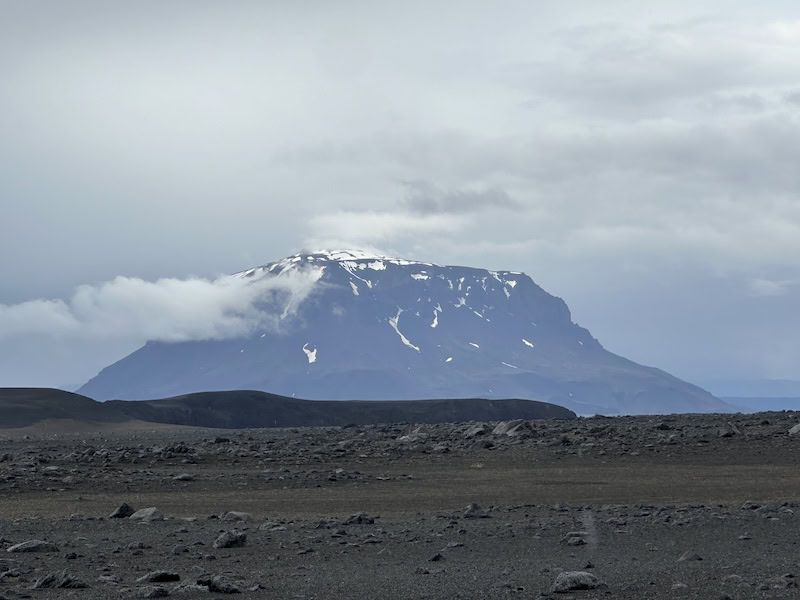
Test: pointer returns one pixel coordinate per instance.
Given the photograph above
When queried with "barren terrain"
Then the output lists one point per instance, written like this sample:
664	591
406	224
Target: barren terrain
693	506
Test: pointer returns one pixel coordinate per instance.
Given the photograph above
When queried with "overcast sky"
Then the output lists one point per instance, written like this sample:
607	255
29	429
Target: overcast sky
638	159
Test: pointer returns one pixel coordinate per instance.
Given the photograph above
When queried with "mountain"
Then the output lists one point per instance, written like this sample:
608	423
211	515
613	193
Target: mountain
60	410
381	328
242	409
49	410
754	388
763	404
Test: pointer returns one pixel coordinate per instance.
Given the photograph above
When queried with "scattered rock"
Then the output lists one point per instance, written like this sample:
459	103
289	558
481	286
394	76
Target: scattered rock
219	585
146	515
689	556
153	591
231	539
570	581
678	587
509	428
159	577
361	518
236	516
59	580
123	511
729	430
475	430
189	588
33	546
474	511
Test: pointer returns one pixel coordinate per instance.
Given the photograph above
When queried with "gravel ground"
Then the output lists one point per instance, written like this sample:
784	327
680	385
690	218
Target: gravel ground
637	507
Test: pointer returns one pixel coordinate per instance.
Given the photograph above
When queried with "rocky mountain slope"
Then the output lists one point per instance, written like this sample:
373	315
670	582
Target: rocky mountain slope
381	328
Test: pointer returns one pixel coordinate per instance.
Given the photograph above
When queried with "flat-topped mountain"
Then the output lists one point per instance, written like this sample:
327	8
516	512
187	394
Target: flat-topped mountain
375	327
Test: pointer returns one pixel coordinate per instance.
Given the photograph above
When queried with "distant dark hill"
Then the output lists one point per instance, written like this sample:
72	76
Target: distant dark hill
239	409
25	407
56	410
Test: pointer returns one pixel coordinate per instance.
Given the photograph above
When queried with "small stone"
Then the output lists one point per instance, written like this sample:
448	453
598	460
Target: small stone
474	511
153	591
689	555
158	577
236	516
123	511
576	541
509	428
146	515
184	477
33	546
218	584
189	588
231	539
569	581
59	580
475	430
361	518
676	587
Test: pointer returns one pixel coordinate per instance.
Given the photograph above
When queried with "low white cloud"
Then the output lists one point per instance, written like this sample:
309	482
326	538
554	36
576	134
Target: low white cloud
171	310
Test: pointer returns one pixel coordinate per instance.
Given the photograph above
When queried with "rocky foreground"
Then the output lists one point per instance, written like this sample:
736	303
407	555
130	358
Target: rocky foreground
637	507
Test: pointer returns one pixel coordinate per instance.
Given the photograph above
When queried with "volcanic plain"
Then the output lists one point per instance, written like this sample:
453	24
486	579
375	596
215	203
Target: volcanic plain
689	506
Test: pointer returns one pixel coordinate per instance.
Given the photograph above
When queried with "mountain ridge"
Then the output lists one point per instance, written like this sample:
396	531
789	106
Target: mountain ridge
376	327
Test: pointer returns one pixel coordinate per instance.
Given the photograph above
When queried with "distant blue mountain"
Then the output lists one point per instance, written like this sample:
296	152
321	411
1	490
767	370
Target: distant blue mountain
754	404
754	388
383	328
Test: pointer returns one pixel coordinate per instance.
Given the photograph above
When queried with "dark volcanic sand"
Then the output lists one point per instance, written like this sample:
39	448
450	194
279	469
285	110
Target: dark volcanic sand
636	493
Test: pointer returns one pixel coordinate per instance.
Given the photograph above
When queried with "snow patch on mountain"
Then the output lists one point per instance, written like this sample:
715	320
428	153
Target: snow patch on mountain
436	310
394	322
311	354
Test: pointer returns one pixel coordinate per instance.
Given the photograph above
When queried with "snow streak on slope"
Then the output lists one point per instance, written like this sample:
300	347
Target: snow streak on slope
436	310
393	321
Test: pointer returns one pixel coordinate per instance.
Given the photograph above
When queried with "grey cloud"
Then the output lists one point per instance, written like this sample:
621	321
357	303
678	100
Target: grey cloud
426	198
793	97
746	102
623	71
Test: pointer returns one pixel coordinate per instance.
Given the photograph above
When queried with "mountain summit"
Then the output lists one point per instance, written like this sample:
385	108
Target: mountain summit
375	327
